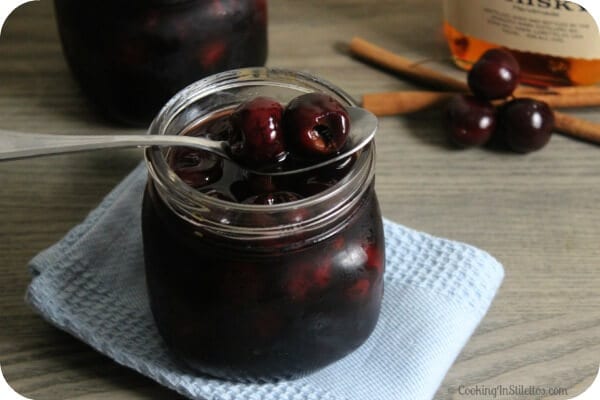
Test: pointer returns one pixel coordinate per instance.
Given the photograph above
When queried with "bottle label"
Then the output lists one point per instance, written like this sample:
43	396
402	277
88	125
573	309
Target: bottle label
558	28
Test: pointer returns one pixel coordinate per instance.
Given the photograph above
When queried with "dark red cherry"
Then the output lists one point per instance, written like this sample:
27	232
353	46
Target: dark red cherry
322	275
358	290
469	120
525	124
211	54
257	138
495	75
375	258
197	168
273	198
315	124
307	278
298	287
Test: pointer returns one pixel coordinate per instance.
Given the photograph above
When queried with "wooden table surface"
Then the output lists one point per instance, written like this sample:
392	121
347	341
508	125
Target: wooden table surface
538	214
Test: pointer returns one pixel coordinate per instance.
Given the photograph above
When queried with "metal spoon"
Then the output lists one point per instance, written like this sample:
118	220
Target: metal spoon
15	145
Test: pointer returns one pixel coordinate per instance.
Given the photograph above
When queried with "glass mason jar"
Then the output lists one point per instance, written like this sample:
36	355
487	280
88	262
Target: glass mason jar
130	57
259	292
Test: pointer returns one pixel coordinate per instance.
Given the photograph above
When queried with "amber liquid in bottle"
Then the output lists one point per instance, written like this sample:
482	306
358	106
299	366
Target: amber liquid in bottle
538	68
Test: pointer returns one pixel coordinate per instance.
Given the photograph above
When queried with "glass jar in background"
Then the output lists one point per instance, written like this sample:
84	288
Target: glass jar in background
130	57
259	292
555	42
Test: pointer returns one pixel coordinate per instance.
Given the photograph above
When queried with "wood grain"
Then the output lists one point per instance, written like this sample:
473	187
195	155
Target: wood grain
538	214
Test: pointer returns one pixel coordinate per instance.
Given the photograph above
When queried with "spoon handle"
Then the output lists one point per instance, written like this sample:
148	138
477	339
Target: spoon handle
15	145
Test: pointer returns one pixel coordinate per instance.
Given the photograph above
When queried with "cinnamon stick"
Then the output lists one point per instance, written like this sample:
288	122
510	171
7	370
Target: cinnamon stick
572	126
561	90
405	102
577	127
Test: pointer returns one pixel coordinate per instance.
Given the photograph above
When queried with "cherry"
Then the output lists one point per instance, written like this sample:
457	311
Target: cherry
306	278
273	198
257	138
358	290
195	167
211	54
495	75
298	287
322	275
374	256
315	124
469	120
525	124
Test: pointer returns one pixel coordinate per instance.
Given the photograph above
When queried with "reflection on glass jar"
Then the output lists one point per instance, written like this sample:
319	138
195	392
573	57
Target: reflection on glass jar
131	56
260	292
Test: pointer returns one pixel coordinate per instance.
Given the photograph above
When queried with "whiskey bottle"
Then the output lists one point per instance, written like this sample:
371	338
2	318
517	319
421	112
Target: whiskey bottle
556	42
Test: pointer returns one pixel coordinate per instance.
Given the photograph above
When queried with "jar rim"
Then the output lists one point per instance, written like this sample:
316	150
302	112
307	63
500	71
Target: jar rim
193	205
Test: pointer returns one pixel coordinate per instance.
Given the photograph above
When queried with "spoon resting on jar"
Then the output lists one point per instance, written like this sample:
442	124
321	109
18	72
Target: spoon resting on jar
17	145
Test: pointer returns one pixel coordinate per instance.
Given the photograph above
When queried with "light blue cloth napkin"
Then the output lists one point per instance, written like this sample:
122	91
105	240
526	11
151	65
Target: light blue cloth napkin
91	284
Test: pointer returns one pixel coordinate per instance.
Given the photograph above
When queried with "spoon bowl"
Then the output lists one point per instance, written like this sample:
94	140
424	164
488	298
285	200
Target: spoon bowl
16	145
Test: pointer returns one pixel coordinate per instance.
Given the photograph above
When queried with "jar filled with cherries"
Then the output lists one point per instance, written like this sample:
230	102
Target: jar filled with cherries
261	277
130	57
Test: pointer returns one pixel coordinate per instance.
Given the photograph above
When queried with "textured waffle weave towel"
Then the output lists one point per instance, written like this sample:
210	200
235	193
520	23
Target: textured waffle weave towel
91	284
